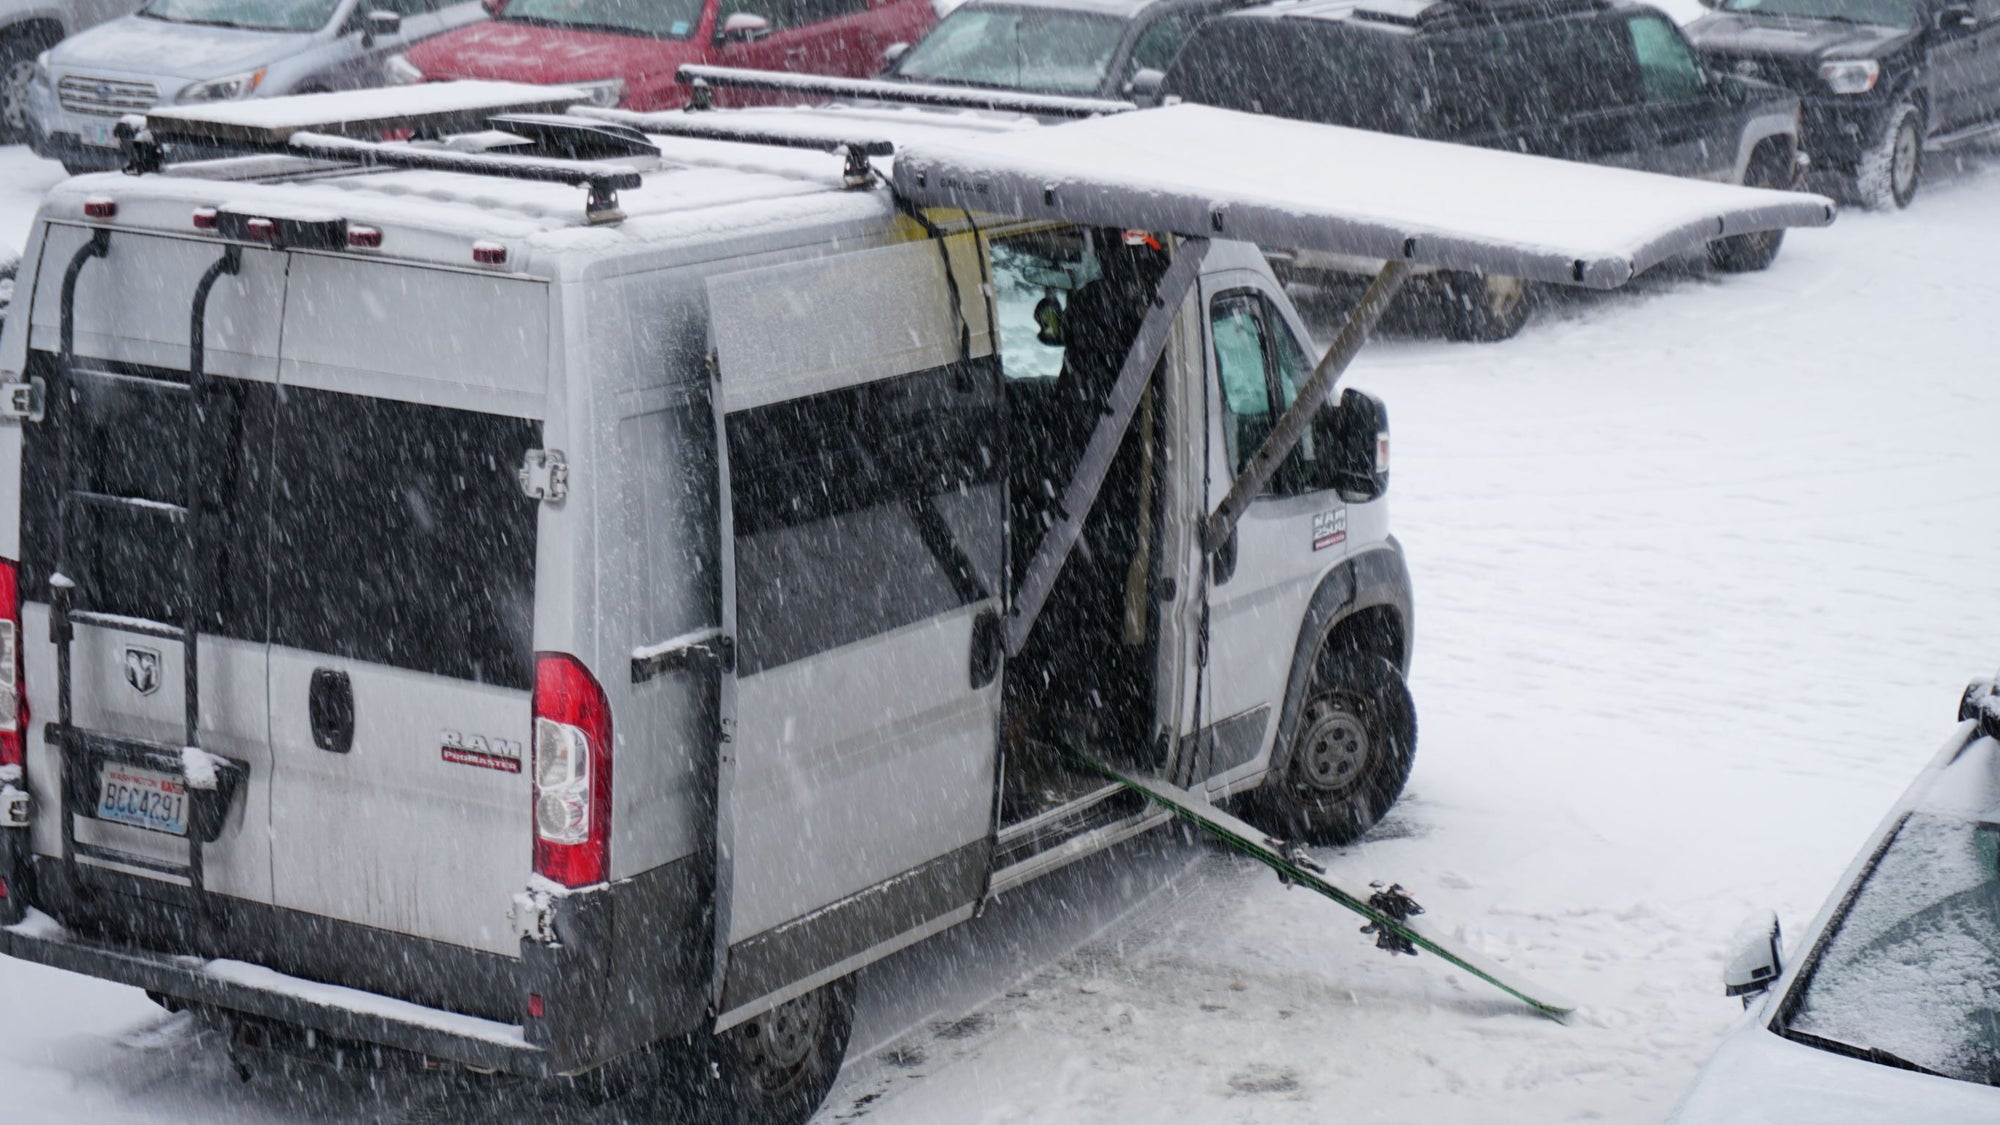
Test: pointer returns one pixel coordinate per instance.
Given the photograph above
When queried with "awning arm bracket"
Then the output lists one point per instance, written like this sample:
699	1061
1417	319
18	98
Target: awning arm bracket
1298	418
1039	577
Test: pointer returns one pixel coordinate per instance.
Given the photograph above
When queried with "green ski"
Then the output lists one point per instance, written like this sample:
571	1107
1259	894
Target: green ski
1387	910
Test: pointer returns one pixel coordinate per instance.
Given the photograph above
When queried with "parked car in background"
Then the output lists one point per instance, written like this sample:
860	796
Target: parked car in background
1599	81
1882	80
626	51
1094	48
1892	1013
176	52
29	27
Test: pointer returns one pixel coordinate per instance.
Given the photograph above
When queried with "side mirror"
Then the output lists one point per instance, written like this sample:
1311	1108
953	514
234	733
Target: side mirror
1756	958
379	24
1981	702
1353	439
1956	19
1144	88
743	27
894	53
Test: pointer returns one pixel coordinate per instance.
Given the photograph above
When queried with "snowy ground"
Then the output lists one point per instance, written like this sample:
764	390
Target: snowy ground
1700	569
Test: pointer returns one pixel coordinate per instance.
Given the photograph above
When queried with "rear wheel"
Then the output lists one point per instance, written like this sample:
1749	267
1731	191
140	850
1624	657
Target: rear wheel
1745	253
1485	307
1890	170
777	1068
1350	751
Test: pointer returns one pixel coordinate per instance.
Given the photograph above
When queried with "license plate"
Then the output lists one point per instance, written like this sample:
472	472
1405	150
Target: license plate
99	133
142	798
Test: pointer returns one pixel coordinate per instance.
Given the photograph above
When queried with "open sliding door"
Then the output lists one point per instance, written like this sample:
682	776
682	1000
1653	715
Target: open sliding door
861	428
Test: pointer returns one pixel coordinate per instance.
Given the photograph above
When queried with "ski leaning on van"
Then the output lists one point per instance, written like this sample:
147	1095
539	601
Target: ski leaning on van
807	452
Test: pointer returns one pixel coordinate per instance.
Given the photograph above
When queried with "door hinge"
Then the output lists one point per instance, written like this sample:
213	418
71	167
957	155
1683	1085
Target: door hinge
544	475
24	401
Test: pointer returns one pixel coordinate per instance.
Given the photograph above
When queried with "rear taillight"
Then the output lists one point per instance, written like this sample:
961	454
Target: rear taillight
572	772
13	695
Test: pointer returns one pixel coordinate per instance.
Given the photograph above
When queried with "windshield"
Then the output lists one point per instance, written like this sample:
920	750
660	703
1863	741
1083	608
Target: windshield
1031	49
1900	14
256	15
1911	973
655	19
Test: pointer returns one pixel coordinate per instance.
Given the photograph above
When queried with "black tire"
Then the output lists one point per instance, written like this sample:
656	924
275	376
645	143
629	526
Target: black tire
1485	307
777	1069
1350	753
1892	168
17	70
1747	253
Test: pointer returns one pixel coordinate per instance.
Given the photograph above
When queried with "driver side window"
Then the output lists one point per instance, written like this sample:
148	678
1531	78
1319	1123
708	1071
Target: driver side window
1261	368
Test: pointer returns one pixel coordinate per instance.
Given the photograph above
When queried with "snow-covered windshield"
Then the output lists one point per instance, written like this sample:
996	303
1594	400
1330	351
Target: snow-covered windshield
656	19
1911	975
255	15
1884	13
1033	49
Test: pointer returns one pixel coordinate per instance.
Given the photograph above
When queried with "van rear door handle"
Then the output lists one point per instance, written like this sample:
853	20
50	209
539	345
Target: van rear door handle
330	703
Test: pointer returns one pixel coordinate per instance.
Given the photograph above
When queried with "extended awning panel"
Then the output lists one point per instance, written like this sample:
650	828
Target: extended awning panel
1217	173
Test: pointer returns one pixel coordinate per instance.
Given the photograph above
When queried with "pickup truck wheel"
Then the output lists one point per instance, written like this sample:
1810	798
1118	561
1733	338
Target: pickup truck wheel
1485	307
1890	170
776	1069
17	73
1350	753
1746	253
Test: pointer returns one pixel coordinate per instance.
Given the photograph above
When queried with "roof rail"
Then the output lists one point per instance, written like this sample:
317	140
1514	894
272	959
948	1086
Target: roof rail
902	93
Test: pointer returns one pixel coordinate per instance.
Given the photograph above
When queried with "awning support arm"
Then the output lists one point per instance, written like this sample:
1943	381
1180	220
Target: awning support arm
1299	417
1039	577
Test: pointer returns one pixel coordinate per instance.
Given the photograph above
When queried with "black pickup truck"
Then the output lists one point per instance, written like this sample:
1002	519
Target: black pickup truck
1881	80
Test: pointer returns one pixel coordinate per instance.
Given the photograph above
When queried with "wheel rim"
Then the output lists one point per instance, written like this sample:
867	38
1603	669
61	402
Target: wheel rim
1504	296
1903	163
779	1045
1334	755
14	94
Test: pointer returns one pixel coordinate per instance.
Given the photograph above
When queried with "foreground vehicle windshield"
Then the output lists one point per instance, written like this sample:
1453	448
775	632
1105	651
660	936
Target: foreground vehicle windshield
1028	49
1911	975
1884	13
255	15
659	19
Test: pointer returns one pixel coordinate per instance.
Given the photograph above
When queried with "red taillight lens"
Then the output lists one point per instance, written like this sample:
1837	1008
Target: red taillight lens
572	772
99	207
364	238
206	218
261	229
13	692
489	253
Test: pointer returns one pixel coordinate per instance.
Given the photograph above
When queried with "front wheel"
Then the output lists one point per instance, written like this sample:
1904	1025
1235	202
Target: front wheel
1350	751
17	73
1485	307
1890	170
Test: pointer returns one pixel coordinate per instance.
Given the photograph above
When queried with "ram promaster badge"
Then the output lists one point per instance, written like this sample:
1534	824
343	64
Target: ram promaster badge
560	594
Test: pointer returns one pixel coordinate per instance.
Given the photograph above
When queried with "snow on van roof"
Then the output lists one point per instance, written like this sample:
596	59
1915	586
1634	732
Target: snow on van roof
1197	170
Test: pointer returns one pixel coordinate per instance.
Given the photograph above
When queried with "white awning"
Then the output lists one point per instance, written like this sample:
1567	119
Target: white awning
1198	171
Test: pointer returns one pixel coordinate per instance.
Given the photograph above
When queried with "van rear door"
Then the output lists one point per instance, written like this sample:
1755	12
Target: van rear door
403	568
123	407
864	538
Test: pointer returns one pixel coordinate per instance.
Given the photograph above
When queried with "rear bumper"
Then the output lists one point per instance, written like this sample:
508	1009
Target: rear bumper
252	990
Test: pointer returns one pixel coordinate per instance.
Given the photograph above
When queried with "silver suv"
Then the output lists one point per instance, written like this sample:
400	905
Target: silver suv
189	51
29	27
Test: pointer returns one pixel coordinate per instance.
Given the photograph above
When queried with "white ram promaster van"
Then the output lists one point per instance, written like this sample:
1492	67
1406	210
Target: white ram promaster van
522	626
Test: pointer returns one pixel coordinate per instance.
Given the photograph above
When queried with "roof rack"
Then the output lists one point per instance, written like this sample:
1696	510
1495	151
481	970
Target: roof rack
325	127
714	127
902	93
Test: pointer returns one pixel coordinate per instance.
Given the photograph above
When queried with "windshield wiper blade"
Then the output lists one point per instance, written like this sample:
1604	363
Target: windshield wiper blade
1867	1054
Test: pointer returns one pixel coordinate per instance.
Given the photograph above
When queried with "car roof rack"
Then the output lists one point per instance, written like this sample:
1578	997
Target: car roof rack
706	78
700	126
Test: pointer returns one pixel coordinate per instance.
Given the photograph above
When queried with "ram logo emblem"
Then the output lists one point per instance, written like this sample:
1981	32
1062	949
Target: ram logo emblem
142	670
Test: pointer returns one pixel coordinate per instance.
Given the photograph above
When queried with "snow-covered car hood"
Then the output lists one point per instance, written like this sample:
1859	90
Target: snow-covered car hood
529	53
137	45
1739	35
1758	1078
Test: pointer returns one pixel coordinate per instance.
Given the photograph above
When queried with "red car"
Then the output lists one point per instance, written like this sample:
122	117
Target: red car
626	51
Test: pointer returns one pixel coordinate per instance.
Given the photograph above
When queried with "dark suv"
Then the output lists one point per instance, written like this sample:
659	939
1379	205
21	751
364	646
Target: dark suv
1601	81
1882	79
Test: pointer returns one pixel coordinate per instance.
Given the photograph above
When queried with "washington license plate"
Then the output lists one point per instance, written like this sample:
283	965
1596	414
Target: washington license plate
98	134
142	798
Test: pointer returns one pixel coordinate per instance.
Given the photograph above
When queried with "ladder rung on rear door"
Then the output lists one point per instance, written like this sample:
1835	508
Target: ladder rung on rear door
144	626
132	504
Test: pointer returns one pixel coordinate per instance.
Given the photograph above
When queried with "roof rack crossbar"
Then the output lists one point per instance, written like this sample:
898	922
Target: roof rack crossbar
603	180
902	93
715	127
